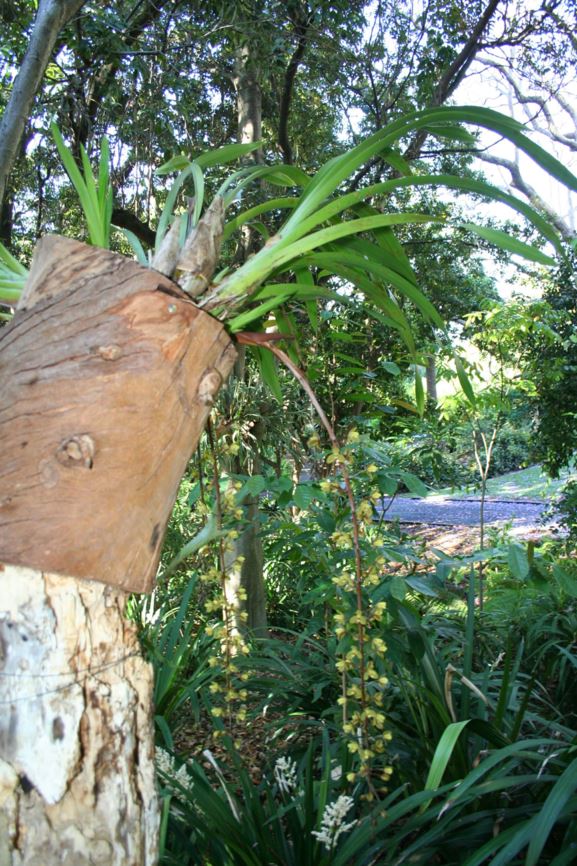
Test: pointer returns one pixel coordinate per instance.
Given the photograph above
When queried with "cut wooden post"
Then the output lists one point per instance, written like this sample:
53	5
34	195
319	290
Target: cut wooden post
107	374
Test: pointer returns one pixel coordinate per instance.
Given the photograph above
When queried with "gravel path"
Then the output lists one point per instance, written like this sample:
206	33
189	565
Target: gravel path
445	511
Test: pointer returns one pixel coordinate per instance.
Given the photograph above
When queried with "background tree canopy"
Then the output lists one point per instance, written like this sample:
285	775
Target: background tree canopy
372	698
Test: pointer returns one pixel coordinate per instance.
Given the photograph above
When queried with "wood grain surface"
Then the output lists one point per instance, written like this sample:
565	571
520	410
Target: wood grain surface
107	375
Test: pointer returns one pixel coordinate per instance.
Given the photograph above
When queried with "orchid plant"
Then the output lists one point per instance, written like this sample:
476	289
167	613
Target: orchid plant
328	239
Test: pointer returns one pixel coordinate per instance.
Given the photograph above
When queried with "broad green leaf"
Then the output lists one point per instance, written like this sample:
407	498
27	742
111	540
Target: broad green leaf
239	323
198	181
391	367
509	841
518	561
425	587
167	212
460	184
329	178
177	163
9	294
398	588
349	265
268	371
227	153
209	158
395	159
465	382
342	356
404	404
313	314
297	290
304	275
529	748
253	486
208	533
288	175
442	756
387	484
566	581
454	133
95	212
414	484
250	214
286	324
303	495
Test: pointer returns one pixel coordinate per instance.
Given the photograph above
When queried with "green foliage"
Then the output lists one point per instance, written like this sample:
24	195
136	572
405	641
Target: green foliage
480	707
565	509
13	276
179	650
551	360
94	193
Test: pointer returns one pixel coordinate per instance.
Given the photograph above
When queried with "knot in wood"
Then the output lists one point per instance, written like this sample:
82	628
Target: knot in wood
110	353
209	386
77	451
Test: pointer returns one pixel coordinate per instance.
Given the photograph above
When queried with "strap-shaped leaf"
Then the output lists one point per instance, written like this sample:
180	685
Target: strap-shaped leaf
506	242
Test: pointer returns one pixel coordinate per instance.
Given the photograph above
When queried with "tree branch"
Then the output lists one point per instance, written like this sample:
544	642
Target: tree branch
455	73
302	21
51	17
450	79
125	219
520	184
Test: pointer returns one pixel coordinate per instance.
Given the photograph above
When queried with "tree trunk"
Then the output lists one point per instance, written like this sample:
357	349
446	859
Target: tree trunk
51	17
248	100
249	576
108	372
77	783
431	375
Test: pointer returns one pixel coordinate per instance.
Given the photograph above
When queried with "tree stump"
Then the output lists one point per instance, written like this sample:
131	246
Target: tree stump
77	782
107	374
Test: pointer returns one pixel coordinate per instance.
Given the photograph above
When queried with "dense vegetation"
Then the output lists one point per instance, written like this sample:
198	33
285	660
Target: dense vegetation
329	689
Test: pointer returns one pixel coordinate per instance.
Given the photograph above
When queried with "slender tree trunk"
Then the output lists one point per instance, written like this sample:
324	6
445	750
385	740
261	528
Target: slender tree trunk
249	575
431	375
51	17
248	100
108	372
248	547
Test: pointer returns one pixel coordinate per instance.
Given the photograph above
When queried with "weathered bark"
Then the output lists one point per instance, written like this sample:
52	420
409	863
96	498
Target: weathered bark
51	17
248	100
77	781
107	375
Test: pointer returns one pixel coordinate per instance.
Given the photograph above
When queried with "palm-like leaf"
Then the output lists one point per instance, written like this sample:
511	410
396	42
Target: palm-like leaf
313	224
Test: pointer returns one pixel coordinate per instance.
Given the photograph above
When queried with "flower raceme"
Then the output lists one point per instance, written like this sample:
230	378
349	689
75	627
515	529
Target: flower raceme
333	822
285	774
